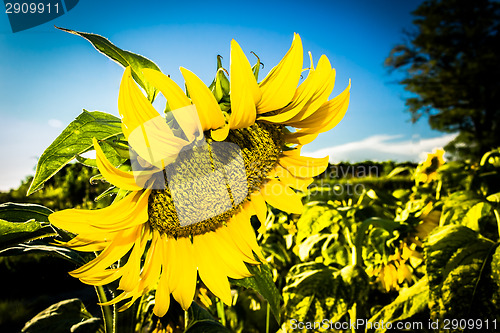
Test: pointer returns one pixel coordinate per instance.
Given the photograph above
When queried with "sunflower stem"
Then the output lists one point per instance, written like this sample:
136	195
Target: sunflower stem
108	315
268	313
220	312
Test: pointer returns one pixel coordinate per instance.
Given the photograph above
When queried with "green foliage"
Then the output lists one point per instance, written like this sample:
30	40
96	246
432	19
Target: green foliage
262	282
200	321
124	58
450	65
76	139
65	316
458	265
410	302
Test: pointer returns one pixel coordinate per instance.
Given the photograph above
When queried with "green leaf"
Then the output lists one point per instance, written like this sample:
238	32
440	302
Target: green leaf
16	212
456	207
122	57
315	219
495	277
201	321
12	233
315	292
494	197
307	246
59	318
22	223
262	282
411	301
78	258
475	214
74	140
457	263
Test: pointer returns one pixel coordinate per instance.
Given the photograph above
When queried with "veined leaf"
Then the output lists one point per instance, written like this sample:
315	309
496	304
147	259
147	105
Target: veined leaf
12	233
200	321
315	219
315	292
74	140
16	212
262	282
60	317
78	258
122	57
458	267
23	222
410	302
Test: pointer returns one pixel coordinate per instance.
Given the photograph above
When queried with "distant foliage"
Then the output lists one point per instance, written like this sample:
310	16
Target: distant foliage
450	65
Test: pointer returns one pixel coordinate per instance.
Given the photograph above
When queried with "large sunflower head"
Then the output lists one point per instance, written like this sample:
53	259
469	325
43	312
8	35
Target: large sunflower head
218	156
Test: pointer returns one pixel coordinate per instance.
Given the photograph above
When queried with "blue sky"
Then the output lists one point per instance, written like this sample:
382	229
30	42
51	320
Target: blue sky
47	76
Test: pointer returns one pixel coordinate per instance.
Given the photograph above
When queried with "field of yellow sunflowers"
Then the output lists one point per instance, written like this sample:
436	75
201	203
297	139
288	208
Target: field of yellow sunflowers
206	217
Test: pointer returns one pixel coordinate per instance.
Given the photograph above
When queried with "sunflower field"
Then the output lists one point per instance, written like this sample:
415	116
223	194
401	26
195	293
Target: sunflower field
304	246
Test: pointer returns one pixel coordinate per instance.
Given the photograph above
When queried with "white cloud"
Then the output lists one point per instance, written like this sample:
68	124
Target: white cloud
56	123
383	147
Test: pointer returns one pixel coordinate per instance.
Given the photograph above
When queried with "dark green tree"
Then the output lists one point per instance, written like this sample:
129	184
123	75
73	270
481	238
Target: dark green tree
451	65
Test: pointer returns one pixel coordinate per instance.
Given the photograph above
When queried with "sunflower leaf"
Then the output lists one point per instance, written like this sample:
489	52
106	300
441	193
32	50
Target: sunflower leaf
38	246
74	140
17	212
12	233
459	265
200	320
122	57
411	301
22	223
262	282
61	317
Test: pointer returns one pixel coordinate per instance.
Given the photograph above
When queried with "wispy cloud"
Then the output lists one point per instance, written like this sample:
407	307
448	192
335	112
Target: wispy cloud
383	147
56	123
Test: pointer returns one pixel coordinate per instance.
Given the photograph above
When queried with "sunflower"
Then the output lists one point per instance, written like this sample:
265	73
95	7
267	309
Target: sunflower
167	239
427	170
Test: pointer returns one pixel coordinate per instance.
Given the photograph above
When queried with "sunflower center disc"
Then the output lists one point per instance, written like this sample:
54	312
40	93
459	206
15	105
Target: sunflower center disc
260	146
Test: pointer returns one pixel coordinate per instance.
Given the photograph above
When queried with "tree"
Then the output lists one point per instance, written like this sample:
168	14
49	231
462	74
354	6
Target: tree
451	64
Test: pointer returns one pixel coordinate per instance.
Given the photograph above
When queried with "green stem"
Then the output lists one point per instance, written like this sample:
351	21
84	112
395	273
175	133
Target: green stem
268	313
497	216
107	314
220	312
353	316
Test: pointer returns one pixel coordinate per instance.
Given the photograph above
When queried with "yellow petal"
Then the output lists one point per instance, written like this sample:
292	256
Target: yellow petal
172	264
302	166
221	133
300	138
242	231
162	295
245	92
228	255
172	92
184	292
234	237
133	106
209	111
113	252
328	115
103	278
129	211
208	268
117	177
85	244
132	269
278	87
315	92
152	265
288	179
259	205
282	197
